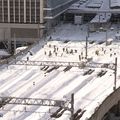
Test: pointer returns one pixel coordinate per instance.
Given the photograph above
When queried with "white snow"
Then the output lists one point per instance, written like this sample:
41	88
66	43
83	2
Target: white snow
115	3
20	49
32	82
96	6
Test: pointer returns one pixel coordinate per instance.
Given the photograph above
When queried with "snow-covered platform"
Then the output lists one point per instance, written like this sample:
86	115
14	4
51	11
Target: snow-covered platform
90	88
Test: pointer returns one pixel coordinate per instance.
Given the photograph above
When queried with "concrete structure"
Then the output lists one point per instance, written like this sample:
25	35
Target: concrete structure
98	13
112	100
53	10
21	19
26	19
100	20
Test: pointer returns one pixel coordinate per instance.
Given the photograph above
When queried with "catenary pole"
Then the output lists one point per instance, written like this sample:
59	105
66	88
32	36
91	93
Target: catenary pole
115	74
72	106
86	48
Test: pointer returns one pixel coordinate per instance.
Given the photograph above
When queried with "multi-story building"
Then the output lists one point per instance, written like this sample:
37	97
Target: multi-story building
27	19
22	19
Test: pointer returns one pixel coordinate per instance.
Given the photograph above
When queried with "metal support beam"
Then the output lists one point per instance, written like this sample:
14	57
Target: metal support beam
94	11
62	63
115	73
32	101
72	107
14	40
48	63
86	47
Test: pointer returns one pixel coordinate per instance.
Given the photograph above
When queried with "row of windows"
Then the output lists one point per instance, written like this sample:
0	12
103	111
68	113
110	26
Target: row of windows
16	11
59	7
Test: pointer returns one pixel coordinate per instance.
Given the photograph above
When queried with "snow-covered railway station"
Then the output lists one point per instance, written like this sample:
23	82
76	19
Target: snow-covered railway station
91	84
72	72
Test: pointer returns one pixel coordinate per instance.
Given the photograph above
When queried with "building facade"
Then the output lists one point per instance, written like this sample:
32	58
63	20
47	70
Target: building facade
56	7
22	19
53	9
27	19
20	11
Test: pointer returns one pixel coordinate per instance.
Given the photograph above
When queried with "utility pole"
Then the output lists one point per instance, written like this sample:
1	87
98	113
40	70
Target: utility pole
86	47
115	74
72	106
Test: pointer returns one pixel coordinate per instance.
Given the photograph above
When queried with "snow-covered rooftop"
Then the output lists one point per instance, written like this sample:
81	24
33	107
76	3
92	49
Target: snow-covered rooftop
95	6
115	4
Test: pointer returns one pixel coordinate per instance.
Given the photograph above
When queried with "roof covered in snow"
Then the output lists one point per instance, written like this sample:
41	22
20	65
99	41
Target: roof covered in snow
97	6
115	4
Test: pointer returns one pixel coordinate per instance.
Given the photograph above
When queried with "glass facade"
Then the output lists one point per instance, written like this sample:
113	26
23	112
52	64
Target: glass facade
29	16
29	11
56	7
20	11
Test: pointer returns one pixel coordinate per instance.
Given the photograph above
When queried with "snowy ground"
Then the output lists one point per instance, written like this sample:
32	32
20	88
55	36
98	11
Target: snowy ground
90	90
79	33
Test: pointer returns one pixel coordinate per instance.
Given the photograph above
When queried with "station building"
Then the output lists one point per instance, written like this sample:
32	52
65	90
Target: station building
27	20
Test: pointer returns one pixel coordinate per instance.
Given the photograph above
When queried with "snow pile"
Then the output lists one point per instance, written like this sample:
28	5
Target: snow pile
20	49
